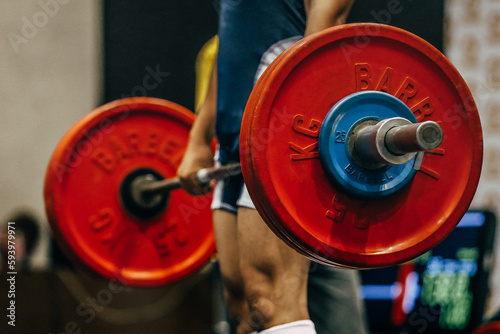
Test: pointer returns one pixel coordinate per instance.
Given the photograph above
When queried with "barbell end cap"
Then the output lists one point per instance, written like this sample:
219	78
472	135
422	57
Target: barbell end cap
429	135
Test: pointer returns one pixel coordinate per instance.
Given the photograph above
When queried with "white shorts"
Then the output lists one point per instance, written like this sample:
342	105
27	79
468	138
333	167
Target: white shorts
228	199
230	193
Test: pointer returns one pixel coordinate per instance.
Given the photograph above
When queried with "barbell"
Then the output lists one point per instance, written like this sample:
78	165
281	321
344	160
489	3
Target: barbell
360	146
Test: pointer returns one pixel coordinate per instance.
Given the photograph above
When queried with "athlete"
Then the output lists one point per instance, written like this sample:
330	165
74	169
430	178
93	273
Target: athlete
265	281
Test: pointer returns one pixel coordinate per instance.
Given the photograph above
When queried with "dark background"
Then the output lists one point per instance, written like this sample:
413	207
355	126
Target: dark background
168	34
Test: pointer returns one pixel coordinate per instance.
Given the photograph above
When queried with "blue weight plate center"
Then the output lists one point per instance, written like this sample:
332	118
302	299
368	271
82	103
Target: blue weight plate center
335	155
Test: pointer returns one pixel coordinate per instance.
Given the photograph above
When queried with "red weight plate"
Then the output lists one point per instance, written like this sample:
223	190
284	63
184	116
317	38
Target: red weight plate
280	159
489	328
83	203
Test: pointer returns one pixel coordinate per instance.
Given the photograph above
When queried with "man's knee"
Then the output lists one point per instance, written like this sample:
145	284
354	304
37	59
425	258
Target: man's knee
261	299
262	308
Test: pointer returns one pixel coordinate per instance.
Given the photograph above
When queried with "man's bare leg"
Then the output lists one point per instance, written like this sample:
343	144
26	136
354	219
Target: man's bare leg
226	238
274	275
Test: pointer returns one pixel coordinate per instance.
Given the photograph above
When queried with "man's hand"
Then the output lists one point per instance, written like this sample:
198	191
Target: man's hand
197	156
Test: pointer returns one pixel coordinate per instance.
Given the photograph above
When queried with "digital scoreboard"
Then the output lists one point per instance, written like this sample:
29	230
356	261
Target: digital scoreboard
442	291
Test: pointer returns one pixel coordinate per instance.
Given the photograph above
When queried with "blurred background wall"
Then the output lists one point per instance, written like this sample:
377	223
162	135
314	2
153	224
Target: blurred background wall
50	76
472	43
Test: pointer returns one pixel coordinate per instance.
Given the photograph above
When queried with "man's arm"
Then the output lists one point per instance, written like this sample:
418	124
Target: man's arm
198	153
322	14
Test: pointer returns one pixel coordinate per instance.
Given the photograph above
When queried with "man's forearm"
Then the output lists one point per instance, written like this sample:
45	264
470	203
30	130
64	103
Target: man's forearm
203	129
199	152
322	14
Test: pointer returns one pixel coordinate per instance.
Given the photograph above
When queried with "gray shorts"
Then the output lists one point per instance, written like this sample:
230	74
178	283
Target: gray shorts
334	301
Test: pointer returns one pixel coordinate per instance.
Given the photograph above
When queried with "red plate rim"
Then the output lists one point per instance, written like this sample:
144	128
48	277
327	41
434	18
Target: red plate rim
489	328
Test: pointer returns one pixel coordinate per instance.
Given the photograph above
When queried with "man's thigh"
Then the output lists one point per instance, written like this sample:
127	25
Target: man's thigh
275	275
